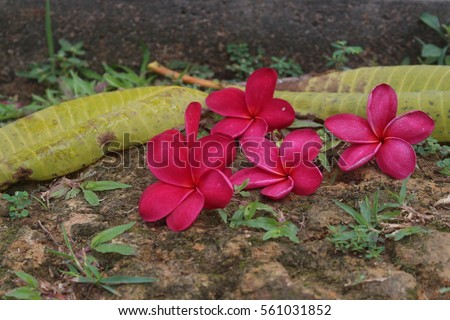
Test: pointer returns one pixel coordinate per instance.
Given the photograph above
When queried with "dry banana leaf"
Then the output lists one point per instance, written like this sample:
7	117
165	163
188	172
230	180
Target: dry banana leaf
401	78
74	134
425	88
325	104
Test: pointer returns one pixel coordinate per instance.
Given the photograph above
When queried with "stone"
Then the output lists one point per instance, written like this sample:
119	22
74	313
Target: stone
383	283
319	220
426	253
235	246
84	225
26	252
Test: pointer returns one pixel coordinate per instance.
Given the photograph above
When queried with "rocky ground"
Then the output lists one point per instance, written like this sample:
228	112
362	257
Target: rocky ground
213	261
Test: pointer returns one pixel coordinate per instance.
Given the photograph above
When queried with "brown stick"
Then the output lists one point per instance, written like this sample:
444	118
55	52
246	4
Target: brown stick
160	69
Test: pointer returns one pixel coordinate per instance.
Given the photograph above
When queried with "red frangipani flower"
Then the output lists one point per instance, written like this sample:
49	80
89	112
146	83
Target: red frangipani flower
382	136
191	174
282	170
253	112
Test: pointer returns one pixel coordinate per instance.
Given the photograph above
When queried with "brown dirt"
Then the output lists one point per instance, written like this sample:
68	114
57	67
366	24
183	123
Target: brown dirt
213	261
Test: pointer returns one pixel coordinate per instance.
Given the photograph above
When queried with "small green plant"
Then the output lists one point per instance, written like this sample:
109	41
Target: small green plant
73	79
197	70
84	268
431	147
30	291
431	53
243	62
239	190
339	58
66	60
19	201
275	226
71	188
286	67
9	110
100	242
373	224
90	187
444	165
444	290
68	75
330	142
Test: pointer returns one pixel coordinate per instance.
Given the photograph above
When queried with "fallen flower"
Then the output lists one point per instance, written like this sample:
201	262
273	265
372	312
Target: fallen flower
282	170
382	136
191	177
253	112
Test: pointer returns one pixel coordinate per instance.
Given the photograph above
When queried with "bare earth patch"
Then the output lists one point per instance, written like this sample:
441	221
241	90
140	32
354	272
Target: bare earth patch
212	261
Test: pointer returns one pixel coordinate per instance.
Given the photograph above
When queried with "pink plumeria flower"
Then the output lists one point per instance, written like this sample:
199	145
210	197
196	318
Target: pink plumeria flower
282	170
192	176
253	112
382	136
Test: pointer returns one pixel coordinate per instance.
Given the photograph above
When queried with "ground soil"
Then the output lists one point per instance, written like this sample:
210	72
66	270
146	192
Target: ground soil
213	261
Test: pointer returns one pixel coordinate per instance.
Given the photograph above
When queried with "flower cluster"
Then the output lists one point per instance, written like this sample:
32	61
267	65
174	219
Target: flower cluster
194	174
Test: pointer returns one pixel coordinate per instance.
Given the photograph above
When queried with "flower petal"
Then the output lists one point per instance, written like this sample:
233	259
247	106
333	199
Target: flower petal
307	178
278	114
413	127
264	154
259	89
257	178
216	188
351	128
160	199
381	108
234	127
219	147
227	172
357	155
396	158
229	102
279	190
167	158
214	151
187	212
192	121
258	128
300	145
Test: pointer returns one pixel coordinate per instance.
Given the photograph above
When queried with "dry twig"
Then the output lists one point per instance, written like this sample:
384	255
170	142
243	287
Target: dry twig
160	69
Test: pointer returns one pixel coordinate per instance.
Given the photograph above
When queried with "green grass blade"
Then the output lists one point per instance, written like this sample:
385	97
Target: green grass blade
85	280
263	223
127	280
352	212
400	234
24	293
110	289
61	254
122	249
91	197
402	194
67	241
109	234
27	278
49	33
104	185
